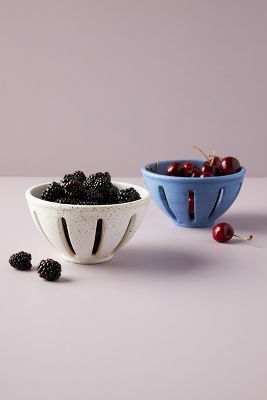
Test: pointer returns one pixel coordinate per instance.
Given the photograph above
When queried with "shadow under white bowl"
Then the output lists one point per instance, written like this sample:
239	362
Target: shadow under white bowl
87	234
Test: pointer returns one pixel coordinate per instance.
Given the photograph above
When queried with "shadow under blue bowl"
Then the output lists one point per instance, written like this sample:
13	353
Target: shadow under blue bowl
212	196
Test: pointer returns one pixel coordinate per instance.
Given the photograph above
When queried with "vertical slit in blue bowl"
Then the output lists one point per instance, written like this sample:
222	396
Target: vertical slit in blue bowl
217	202
165	203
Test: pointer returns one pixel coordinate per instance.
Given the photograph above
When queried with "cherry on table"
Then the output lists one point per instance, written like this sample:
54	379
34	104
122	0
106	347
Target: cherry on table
223	232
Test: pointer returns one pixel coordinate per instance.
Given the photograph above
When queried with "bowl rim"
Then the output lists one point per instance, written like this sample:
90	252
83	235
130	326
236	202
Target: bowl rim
156	176
50	204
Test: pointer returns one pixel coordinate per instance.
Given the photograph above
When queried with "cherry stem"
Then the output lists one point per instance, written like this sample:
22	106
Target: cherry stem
157	167
243	238
202	152
148	168
214	155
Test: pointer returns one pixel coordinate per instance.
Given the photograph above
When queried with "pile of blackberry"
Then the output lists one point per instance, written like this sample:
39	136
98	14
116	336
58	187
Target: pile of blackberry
96	189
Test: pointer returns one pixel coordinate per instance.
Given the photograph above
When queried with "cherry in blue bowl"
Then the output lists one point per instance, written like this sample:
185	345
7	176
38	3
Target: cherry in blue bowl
191	201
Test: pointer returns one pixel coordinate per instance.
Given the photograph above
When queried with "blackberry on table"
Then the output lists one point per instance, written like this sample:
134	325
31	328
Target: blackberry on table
49	269
21	261
127	195
52	192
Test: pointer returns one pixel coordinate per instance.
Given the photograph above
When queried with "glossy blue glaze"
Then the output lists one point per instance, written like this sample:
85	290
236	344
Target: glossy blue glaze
212	196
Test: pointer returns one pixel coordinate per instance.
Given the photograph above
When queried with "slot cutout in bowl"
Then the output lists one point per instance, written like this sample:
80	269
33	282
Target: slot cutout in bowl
66	232
125	235
191	204
217	202
98	236
165	202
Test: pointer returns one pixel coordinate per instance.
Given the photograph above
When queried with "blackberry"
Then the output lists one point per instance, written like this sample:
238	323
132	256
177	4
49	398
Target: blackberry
94	195
79	175
100	181
21	261
127	195
86	203
53	192
49	269
73	187
67	200
112	195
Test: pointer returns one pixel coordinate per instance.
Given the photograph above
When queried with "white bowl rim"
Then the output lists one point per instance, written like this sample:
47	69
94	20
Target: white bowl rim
145	197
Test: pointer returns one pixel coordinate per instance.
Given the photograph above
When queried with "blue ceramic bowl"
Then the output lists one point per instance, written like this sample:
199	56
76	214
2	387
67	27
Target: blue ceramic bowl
212	196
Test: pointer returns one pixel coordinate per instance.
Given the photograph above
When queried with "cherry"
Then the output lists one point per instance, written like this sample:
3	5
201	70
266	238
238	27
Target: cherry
191	205
175	169
215	162
206	175
187	168
206	167
223	232
195	172
229	165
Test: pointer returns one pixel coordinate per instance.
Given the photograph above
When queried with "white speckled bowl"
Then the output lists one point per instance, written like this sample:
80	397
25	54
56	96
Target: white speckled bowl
87	234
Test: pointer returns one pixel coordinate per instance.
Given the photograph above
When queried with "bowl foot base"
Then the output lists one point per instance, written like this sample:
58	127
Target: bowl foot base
194	225
93	260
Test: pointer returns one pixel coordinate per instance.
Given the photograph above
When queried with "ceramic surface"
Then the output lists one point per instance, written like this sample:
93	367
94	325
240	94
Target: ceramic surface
212	196
87	234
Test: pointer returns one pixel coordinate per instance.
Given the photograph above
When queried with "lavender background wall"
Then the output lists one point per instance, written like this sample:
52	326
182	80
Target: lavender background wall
110	84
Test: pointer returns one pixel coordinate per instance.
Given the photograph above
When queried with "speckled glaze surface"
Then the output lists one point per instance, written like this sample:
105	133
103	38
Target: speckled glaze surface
72	228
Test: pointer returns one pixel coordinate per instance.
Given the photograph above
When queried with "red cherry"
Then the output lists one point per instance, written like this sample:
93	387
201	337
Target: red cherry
191	204
187	168
175	169
223	232
206	175
215	162
206	167
229	165
195	172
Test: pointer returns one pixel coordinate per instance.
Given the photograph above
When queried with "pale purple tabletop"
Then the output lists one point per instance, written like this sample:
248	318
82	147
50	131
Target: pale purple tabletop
174	315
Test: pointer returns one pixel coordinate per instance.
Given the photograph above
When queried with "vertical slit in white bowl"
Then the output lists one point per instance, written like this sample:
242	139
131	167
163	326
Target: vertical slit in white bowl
165	202
217	202
191	210
98	236
66	232
40	226
126	233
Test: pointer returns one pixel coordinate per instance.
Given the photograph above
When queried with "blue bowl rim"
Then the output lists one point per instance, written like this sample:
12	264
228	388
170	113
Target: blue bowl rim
156	176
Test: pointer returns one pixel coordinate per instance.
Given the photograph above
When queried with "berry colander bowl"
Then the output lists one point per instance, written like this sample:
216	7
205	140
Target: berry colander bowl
212	196
87	234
